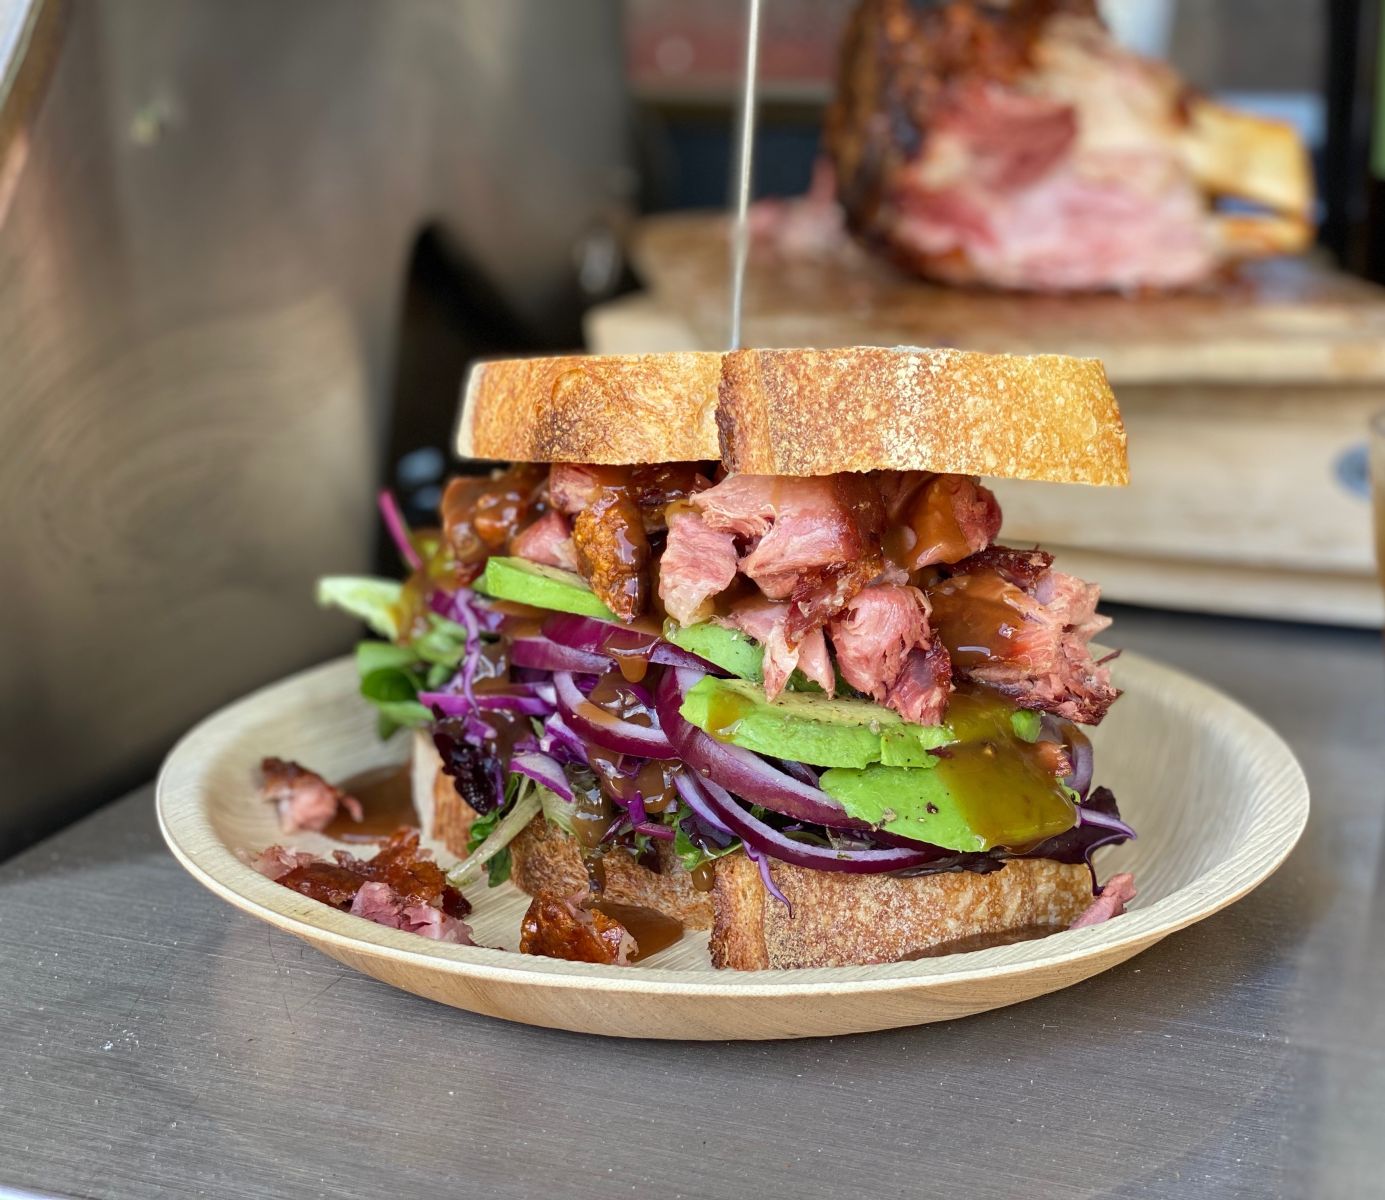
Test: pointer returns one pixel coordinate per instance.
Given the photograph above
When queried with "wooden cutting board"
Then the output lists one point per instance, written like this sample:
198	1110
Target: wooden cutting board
1247	407
1287	321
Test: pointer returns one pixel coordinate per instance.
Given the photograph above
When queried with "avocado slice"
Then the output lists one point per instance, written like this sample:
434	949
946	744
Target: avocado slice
960	809
809	728
542	586
729	649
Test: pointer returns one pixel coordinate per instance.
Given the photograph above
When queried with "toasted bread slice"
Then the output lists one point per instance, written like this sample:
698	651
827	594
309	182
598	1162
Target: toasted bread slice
1249	157
813	412
612	409
805	412
845	920
1260	235
545	859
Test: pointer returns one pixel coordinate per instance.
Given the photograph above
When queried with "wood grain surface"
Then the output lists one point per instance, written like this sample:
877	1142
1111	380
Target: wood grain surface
1214	821
1287	321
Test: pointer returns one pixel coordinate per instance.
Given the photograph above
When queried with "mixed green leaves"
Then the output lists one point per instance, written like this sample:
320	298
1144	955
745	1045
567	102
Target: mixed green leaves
392	673
690	853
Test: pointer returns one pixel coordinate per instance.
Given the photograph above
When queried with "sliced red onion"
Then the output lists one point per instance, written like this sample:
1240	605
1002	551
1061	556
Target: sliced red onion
544	771
453	605
762	862
739	770
589	721
653	829
1078	748
1090	816
715	805
535	700
398	528
800	771
614	641
558	741
547	655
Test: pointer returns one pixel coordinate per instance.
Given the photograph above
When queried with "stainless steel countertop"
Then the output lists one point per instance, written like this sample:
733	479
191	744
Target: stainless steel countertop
157	1043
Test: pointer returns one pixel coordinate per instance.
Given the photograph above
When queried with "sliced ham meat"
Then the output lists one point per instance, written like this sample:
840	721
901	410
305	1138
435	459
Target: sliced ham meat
1118	892
765	621
885	648
380	903
401	887
921	691
575	486
698	563
937	518
1024	630
303	798
277	861
549	541
815	541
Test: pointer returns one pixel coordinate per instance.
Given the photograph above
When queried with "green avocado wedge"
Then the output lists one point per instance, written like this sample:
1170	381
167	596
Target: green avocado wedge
729	649
542	586
809	728
940	807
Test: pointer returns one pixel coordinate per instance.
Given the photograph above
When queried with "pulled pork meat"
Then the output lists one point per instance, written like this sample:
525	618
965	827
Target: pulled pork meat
886	649
302	797
1012	623
401	887
565	928
890	578
1118	892
1018	145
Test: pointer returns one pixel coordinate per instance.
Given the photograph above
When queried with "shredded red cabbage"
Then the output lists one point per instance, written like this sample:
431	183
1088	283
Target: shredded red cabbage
398	528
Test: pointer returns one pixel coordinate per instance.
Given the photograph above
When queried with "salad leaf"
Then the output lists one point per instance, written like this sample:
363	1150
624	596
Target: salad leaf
497	868
374	601
692	855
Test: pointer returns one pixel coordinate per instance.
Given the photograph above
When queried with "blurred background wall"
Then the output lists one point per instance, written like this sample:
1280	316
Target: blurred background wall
215	220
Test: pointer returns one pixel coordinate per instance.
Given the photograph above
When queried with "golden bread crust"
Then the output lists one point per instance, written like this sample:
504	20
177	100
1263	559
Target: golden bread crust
813	412
610	409
805	412
848	920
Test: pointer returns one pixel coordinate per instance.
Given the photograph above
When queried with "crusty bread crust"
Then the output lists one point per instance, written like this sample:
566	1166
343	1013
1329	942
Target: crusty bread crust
612	409
812	412
845	920
805	412
545	859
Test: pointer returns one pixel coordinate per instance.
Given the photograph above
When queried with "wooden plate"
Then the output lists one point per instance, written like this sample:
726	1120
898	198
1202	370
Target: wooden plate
1217	797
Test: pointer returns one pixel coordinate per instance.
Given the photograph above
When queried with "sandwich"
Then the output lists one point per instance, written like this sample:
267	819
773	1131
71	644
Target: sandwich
733	644
1018	145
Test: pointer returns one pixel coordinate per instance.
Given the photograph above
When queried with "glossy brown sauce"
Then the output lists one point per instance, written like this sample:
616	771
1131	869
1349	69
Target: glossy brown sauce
704	877
1004	785
387	800
652	930
978	617
932	529
982	941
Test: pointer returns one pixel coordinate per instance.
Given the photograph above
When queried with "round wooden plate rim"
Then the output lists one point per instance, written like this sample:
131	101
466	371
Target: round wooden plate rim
184	824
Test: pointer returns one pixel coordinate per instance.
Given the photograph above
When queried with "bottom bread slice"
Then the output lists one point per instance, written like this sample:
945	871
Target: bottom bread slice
840	919
545	859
